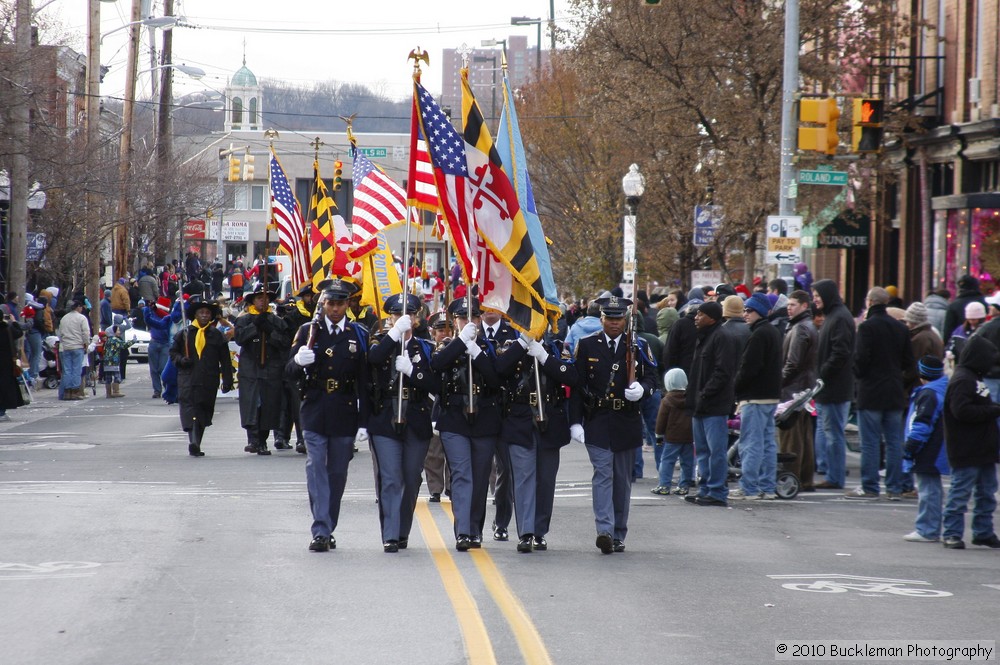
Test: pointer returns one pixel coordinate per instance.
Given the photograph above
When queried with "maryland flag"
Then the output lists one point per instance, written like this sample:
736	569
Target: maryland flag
327	255
509	276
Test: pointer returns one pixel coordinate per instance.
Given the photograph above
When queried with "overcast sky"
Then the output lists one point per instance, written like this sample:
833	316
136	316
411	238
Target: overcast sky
370	46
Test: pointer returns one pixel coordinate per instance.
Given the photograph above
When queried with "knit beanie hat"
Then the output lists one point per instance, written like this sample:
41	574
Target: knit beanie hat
711	309
732	307
930	368
916	314
759	303
975	310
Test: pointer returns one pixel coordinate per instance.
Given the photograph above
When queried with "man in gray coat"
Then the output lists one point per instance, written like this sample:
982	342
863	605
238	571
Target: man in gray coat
798	373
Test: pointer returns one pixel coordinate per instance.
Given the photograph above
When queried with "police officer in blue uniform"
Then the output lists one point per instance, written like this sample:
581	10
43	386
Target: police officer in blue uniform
605	416
499	334
535	427
468	418
330	357
400	444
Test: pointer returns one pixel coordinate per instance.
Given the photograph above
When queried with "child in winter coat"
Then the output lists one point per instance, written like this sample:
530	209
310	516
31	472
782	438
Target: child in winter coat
673	433
114	347
924	452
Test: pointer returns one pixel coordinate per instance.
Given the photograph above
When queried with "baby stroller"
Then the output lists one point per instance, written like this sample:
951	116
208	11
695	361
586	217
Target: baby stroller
787	484
49	373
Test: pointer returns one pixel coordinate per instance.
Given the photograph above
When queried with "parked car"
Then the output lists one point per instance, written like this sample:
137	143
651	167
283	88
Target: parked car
140	350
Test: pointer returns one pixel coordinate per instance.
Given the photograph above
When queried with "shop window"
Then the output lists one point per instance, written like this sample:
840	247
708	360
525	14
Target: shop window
257	197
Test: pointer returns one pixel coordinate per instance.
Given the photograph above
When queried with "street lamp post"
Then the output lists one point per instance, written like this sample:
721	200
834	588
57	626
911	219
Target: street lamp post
524	20
634	185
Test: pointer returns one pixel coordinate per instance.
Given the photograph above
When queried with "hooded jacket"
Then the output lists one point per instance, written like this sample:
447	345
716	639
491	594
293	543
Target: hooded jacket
924	450
881	357
665	320
836	346
679	349
970	416
673	422
711	388
937	307
798	349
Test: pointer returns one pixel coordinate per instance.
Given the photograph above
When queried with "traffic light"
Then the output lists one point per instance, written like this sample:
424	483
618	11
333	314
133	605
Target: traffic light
868	132
234	168
248	167
819	112
338	174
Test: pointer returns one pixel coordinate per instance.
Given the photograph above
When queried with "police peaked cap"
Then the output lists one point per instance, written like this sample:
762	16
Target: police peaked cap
306	289
438	319
460	307
260	288
338	289
394	303
614	307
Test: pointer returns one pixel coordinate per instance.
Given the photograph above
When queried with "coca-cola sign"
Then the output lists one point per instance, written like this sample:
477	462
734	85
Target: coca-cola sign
194	229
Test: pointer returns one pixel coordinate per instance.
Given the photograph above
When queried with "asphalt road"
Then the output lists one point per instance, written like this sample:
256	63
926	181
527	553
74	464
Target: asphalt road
116	547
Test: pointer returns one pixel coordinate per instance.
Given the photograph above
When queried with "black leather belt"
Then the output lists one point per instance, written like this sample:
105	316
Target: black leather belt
334	385
611	403
530	398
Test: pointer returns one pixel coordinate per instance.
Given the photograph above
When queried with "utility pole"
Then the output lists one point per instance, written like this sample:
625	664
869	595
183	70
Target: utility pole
91	241
164	130
125	159
17	212
789	127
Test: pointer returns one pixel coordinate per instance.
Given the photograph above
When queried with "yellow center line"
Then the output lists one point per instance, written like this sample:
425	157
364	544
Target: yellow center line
470	621
528	640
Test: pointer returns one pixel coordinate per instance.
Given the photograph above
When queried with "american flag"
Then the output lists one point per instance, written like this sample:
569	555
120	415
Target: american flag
378	203
421	188
447	153
287	217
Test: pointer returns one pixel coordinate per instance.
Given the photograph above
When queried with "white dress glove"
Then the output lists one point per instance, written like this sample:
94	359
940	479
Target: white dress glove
402	326
304	357
468	333
524	341
576	433
537	350
362	435
404	364
473	349
634	392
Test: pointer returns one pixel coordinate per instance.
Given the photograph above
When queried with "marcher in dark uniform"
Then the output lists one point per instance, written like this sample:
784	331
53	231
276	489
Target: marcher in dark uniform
264	339
499	334
329	357
295	314
435	465
400	446
533	430
468	427
605	416
201	355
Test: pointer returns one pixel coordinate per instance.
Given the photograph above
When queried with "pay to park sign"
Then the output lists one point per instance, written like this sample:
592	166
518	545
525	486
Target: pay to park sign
784	239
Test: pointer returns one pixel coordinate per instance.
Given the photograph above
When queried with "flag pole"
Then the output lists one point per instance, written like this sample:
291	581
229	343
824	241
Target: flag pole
270	134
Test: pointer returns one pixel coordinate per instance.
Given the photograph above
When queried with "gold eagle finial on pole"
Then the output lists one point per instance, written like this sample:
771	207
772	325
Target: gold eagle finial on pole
416	55
349	119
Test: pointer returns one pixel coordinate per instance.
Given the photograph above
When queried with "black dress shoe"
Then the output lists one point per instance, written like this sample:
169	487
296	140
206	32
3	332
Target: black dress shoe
300	447
249	448
390	546
403	543
477	542
499	533
320	544
463	543
540	545
194	450
524	544
710	501
618	545
987	541
435	497
691	498
604	543
281	444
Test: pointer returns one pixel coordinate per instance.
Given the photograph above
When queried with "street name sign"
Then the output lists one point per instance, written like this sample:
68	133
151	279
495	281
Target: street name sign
821	177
